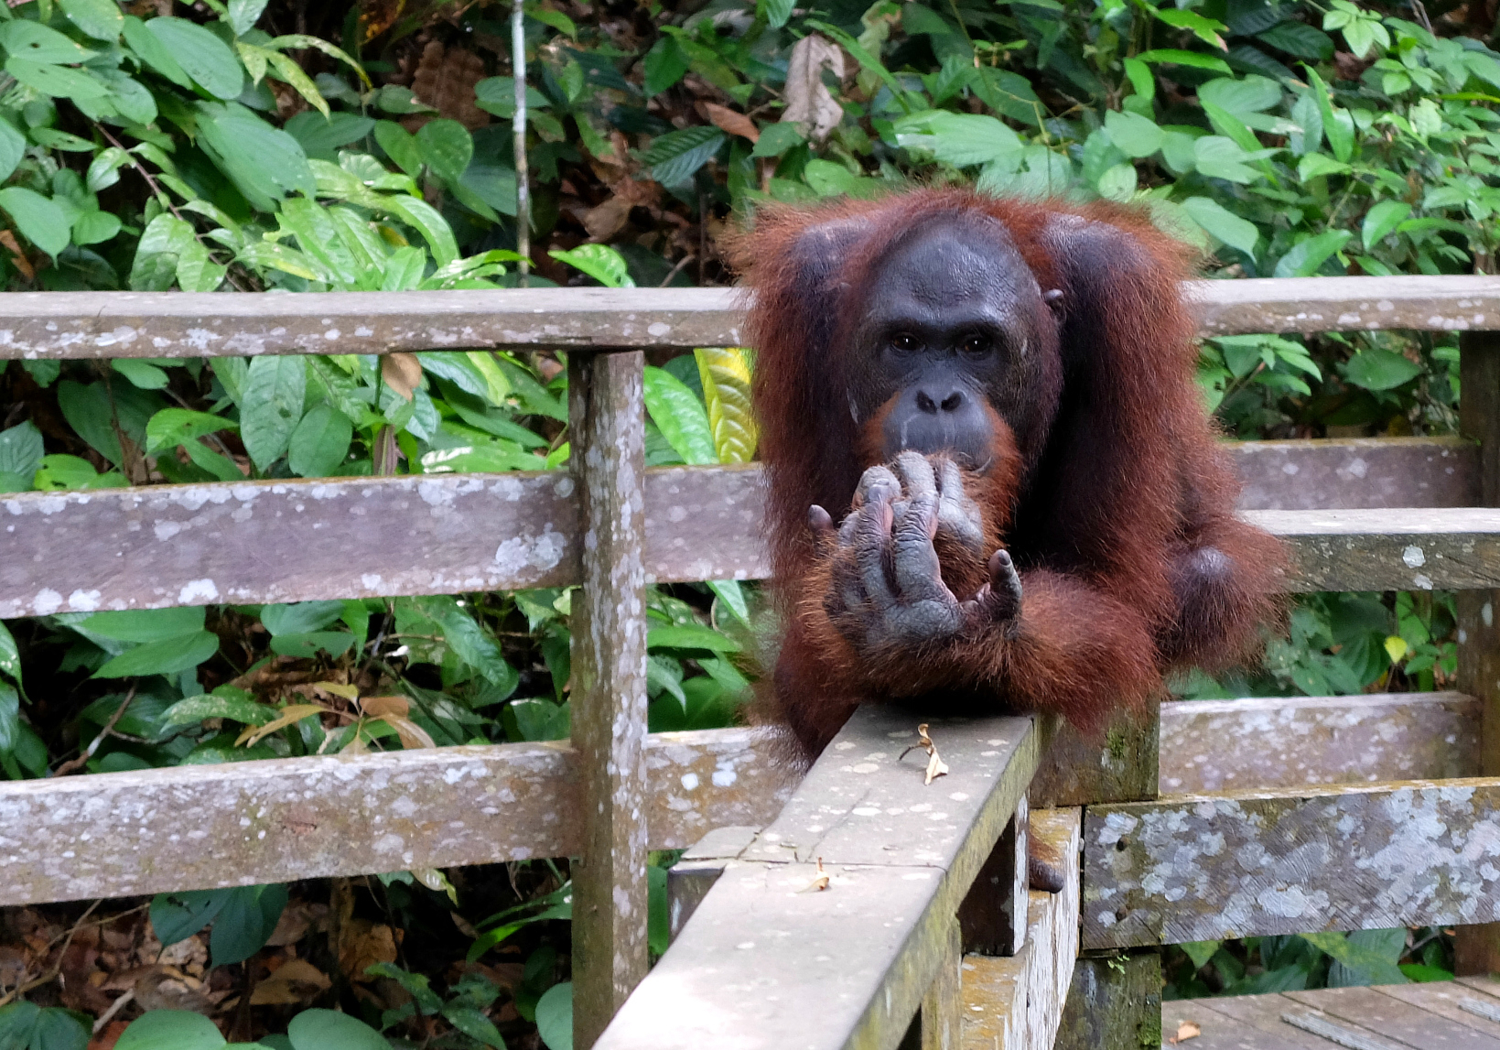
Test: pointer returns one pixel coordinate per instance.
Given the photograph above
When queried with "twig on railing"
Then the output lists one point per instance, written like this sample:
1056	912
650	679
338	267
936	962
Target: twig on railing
88	752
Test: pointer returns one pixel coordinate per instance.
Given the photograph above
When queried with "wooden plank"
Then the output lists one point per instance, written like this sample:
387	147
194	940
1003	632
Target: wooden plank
1328	474
1218	1031
1363	550
1354	857
185	324
770	961
993	917
1261	1015
1077	771
122	834
1392	1019
1477	948
1484	983
607	423
285	541
1442	998
1015	1002
1276	742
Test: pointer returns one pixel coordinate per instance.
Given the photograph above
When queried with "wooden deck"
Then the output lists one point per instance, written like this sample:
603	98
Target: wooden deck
1448	1015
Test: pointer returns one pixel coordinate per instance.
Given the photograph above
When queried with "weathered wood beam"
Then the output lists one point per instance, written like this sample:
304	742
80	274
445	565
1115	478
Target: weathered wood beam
1195	868
1016	1002
1269	742
1338	473
288	541
187	324
608	428
769	961
206	827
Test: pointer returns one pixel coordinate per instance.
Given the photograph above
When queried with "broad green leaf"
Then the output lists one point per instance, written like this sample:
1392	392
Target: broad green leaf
446	148
309	645
292	74
1118	182
12	148
272	407
21	453
210	62
1250	94
1192	59
1132	134
400	145
776	139
98	416
264	163
100	19
243	14
146	625
554	1016
1380	369
153	52
1306	256
95	227
142	374
300	40
469	642
725	376
171	1030
320	136
428	222
1223	224
1205	29
10	654
961	139
680	417
245	923
1299	39
40	220
58	81
166	657
732	594
1315	165
600	261
58	1029
300	617
665	65
320	442
329	1030
497	95
1221	158
1381	219
690	636
1201	951
34	42
10	719
675	156
775	12
177	426
1337	125
197	708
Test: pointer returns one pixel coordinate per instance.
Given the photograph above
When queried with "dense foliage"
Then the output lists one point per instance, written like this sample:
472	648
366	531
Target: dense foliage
291	147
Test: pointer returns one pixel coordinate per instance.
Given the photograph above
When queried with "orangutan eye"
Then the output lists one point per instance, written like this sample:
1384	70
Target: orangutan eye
905	343
976	345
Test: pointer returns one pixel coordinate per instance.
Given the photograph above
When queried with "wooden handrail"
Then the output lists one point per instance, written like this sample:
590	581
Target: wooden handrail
222	324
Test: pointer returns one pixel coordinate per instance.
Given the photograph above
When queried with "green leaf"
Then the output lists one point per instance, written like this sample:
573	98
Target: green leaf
40	220
95	227
776	139
961	139
145	625
153	52
301	617
1205	29
58	1029
1306	256
166	657
10	654
12	148
142	374
1192	59
264	163
1201	951
1381	219
100	19
329	1030
320	443
21	453
554	1016
272	407
600	261
10	721
1422	973
34	42
1223	224
446	148
243	14
198	708
680	417
665	65
178	426
775	12
1132	134
725	376
690	636
1250	94
675	156
320	136
58	81
1299	39
1380	369
425	219
245	923
1337	125
1118	182
210	62
400	145
171	1030
306	646
177	916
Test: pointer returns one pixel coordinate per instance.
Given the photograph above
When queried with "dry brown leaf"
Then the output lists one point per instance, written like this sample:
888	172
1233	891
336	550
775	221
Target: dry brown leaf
402	372
821	881
17	256
167	989
289	714
809	103
936	767
1186	1030
294	981
445	79
605	220
411	734
362	945
296	919
375	706
726	119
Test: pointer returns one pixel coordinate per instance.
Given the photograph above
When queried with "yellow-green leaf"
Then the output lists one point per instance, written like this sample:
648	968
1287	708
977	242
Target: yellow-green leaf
301	40
725	373
497	387
289	715
292	73
1395	647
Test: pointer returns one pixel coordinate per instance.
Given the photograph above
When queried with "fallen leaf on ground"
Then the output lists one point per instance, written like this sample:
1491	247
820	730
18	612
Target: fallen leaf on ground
295	981
821	882
1186	1030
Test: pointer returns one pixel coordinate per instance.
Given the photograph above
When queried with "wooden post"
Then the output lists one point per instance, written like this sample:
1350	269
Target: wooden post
1477	948
993	916
940	1017
607	424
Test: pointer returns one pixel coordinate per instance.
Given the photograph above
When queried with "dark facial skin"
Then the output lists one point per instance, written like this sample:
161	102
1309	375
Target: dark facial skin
951	326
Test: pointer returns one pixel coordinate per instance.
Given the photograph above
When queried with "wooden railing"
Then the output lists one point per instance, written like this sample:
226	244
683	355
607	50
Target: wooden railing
910	887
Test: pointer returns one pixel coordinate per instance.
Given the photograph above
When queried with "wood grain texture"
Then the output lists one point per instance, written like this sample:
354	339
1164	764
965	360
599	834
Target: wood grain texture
610	953
1114	1003
1278	742
1388	1018
768	961
287	541
186	324
1202	867
1338	473
1015	1003
121	834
